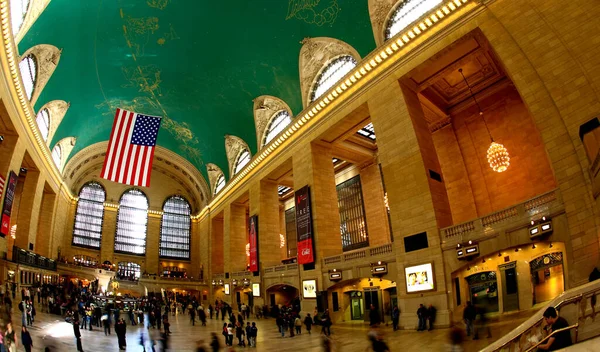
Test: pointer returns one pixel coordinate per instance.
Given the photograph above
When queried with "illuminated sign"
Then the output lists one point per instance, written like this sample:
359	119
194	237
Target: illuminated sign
335	276
256	289
419	278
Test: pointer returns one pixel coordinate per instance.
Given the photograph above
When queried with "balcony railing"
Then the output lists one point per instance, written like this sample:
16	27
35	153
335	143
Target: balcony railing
280	268
578	306
376	252
22	256
546	204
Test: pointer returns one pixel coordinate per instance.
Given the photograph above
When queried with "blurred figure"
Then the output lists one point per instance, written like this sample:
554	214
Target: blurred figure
375	336
308	322
121	330
456	337
214	342
77	334
469	315
431	311
10	342
200	346
26	339
327	344
373	316
422	315
482	324
395	317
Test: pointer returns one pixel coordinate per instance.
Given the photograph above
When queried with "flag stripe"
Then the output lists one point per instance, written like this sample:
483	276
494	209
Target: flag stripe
124	155
149	157
139	165
129	164
111	143
120	140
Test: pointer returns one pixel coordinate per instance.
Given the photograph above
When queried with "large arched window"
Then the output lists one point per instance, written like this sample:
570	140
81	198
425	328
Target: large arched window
18	10
132	221
220	184
57	155
407	12
278	122
331	74
175	229
28	69
43	122
87	231
242	160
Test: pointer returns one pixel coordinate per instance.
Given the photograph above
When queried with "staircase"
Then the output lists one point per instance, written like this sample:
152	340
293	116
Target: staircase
575	305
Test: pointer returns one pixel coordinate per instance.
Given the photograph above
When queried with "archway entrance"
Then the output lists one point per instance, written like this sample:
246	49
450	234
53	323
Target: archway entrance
283	295
483	289
547	276
353	299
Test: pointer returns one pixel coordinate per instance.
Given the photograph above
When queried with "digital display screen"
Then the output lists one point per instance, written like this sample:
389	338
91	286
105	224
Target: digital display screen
256	289
419	278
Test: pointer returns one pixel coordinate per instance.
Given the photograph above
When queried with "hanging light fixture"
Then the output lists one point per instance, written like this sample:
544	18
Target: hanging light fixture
497	155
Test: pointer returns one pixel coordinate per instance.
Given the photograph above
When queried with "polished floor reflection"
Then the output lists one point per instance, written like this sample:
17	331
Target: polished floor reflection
50	330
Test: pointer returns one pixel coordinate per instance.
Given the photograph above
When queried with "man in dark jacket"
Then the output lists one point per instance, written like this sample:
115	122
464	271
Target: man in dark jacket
395	317
77	334
373	316
431	315
422	315
121	330
469	315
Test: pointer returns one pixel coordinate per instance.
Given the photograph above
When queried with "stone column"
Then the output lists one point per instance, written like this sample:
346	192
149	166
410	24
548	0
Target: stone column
109	228
45	224
235	237
375	211
217	254
264	201
152	244
29	209
417	203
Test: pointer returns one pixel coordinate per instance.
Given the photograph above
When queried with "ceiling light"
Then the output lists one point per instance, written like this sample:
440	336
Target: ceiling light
497	155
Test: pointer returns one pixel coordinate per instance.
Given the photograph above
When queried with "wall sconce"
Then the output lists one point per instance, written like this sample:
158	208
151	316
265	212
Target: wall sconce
214	282
540	227
234	282
221	282
246	282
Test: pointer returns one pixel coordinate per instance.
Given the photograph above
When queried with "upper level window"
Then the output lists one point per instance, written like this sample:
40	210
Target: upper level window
353	223
220	184
28	69
132	221
242	160
367	131
18	10
129	271
407	12
175	229
333	72
43	122
57	155
278	122
87	231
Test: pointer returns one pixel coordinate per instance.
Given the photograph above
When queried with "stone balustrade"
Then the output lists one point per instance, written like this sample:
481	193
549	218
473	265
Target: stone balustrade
520	214
362	255
285	269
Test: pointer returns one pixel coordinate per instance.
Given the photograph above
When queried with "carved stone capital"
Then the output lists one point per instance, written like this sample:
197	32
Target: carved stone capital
46	58
57	110
233	146
265	108
213	175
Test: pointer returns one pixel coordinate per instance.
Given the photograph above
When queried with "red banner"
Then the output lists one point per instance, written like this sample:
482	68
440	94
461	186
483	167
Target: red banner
253	240
306	252
8	201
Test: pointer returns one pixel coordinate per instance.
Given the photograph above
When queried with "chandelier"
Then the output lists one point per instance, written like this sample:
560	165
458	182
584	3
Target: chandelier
497	155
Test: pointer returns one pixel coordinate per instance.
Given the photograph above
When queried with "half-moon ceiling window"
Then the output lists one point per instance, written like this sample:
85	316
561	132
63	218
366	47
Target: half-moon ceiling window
278	122
331	74
407	12
220	184
242	160
28	70
43	122
18	10
57	155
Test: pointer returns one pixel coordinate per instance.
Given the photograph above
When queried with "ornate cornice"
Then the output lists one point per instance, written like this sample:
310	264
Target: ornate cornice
380	11
233	146
47	58
265	107
314	56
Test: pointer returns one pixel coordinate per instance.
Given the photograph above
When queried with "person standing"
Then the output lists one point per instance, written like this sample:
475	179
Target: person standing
26	339
106	324
422	315
298	325
10	342
202	316
210	311
431	311
308	322
254	333
373	316
121	331
230	332
77	334
326	323
192	316
395	317
281	324
468	316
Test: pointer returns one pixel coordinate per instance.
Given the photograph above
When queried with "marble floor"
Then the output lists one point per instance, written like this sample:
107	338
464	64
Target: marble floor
51	330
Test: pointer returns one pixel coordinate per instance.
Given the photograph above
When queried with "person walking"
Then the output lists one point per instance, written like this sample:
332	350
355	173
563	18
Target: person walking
106	324
308	322
192	316
239	333
431	311
395	317
281	324
121	331
210	311
10	342
326	323
26	339
225	334
298	325
230	333
77	334
202	316
469	315
254	333
214	343
422	315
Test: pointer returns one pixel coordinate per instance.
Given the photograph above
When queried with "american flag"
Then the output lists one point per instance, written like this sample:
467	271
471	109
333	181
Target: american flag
131	148
1	185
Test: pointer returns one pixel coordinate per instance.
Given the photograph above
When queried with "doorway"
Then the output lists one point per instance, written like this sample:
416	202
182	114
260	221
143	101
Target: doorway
510	291
356	305
372	298
547	276
483	289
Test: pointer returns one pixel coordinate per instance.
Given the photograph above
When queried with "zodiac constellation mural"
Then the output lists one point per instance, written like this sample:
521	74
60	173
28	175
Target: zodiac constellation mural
306	10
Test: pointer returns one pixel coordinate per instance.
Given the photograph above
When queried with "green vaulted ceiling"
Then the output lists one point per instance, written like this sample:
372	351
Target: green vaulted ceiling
197	63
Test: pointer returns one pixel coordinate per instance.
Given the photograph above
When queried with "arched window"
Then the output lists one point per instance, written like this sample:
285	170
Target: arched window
220	184
407	12
175	229
18	10
129	271
28	69
43	122
333	72
278	122
132	221
57	155
242	160
87	231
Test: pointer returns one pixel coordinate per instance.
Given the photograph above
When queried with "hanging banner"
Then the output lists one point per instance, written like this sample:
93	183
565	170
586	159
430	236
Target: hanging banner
304	226
253	240
8	202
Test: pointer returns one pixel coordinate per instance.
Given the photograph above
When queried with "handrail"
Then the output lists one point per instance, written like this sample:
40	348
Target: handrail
576	326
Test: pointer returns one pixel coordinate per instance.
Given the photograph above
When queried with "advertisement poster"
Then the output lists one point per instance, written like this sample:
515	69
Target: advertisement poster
309	288
419	278
227	289
253	240
8	202
304	226
256	289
